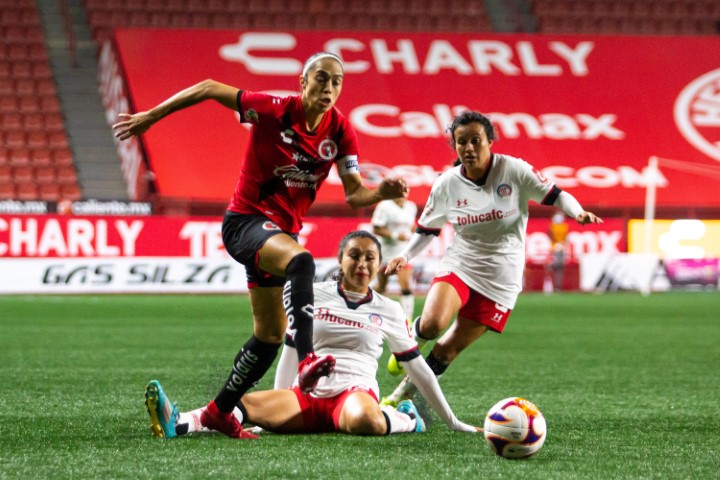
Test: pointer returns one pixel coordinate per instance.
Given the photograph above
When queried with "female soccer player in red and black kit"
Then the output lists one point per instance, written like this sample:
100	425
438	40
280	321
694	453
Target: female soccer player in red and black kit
295	141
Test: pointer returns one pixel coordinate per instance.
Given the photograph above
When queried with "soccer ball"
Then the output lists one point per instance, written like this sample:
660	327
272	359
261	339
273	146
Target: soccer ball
515	428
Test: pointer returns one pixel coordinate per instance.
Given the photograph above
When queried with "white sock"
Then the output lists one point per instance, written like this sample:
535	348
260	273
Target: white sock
408	305
399	422
192	419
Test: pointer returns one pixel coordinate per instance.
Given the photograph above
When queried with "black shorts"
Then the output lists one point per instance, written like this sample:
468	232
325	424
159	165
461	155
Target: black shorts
243	236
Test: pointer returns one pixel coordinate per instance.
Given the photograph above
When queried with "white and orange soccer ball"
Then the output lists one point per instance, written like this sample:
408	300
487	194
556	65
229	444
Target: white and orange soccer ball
515	428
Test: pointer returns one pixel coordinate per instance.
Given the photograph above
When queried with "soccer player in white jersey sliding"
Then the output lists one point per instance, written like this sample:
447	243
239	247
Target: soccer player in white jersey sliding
393	222
351	321
485	199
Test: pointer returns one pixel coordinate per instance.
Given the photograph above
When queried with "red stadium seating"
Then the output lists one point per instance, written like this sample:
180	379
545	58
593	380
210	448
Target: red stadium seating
32	129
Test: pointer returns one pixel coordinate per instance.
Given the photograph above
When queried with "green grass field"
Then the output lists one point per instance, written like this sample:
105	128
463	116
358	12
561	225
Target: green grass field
629	385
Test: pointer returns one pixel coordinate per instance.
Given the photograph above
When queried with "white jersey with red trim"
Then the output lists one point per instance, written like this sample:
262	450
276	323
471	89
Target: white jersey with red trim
489	217
398	220
354	334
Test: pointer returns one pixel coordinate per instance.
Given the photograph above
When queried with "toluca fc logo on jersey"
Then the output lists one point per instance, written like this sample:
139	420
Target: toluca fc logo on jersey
328	149
697	113
504	190
375	319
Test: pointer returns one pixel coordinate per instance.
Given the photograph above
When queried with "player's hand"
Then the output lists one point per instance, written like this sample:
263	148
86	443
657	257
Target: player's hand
395	265
588	217
391	188
132	125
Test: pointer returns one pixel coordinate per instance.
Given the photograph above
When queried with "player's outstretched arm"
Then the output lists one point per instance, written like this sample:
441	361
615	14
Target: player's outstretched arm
358	195
138	123
426	382
588	217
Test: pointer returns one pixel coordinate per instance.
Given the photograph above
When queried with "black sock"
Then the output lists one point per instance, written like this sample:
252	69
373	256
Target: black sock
250	365
298	298
435	365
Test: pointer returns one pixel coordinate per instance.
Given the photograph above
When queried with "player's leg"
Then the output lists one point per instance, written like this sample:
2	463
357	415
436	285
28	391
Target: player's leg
461	334
282	255
441	305
407	299
252	361
360	414
274	410
477	316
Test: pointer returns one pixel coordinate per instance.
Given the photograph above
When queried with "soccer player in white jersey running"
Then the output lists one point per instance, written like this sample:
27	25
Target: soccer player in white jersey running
485	199
351	321
393	222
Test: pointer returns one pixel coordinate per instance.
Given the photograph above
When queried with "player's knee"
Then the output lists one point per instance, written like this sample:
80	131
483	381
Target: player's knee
426	328
363	422
302	265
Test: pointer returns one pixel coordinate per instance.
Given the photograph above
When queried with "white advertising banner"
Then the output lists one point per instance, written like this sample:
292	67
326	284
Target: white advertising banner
122	275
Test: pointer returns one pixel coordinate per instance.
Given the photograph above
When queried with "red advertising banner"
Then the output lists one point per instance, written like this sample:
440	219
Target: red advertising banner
60	236
588	111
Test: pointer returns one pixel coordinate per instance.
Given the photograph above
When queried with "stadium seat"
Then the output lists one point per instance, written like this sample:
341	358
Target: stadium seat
14	139
62	157
53	122
44	175
50	192
70	192
41	157
26	191
7	191
5	174
7	86
58	140
8	104
23	174
36	139
66	175
45	87
11	122
33	122
19	156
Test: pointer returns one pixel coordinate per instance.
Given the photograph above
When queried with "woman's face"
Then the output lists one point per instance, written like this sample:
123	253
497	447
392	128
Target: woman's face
323	85
473	148
359	263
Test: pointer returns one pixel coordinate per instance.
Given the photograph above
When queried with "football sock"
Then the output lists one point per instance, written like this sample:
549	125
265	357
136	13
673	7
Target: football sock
435	365
397	422
250	365
287	366
298	299
407	300
189	422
